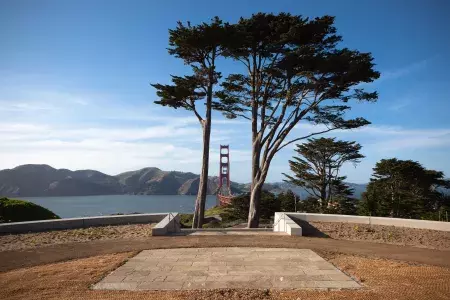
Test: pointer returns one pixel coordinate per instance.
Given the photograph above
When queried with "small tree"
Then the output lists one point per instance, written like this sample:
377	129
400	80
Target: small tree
309	205
293	72
198	46
318	166
288	201
347	206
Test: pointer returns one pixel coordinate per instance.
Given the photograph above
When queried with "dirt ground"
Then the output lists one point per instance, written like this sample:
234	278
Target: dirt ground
15	259
432	239
39	239
382	279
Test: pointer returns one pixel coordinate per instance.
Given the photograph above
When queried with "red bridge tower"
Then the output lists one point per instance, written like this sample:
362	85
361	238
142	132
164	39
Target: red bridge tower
224	195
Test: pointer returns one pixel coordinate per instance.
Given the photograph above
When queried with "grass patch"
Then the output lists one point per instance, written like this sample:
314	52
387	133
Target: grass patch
186	220
227	214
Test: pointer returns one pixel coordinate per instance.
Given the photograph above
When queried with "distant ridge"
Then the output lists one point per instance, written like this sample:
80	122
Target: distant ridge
43	180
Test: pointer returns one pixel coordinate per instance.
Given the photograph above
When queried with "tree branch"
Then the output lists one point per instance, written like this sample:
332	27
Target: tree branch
192	105
305	137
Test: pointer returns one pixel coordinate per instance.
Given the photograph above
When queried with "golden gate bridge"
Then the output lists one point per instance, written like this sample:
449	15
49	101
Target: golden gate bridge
224	194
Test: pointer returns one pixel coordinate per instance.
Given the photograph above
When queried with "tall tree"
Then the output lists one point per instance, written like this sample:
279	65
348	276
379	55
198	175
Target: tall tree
293	71
403	188
317	168
199	47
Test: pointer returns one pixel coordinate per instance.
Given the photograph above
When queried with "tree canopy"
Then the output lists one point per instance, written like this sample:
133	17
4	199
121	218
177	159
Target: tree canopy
318	165
404	189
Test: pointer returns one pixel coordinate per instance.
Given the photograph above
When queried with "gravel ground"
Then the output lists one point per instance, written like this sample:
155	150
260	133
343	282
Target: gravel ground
424	238
39	239
382	279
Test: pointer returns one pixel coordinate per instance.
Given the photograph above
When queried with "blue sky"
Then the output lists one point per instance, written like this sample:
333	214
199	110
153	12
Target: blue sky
74	84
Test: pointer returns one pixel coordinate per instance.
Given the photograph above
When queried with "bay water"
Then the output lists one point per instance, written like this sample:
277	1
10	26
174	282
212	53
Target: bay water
89	206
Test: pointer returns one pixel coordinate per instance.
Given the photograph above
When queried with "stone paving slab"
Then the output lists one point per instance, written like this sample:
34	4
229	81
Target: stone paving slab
221	268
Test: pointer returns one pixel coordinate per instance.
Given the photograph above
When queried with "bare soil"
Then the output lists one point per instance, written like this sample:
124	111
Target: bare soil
382	279
39	239
423	238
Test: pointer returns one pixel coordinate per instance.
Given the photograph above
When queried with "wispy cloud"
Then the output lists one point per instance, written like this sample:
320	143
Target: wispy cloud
11	106
387	138
399	105
405	70
392	74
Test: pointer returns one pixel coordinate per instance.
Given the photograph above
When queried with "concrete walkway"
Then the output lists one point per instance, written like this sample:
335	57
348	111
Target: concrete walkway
217	268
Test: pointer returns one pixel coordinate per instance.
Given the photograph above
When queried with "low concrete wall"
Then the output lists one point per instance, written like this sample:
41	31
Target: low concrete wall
170	224
410	223
329	218
283	223
167	222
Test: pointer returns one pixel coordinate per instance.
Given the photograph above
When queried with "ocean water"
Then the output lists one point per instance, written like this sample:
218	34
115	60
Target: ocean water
88	206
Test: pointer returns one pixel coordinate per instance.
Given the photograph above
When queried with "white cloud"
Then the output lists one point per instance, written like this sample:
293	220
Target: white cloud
385	138
111	150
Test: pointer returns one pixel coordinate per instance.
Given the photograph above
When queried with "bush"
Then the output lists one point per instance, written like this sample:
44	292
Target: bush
186	220
12	210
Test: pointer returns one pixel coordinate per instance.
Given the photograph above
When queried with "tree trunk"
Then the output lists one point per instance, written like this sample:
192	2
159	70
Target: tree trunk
323	196
255	190
254	209
199	212
392	212
256	187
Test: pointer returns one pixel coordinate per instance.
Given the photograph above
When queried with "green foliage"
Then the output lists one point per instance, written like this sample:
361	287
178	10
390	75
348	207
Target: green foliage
12	210
309	205
288	201
404	189
186	220
269	205
347	206
198	46
317	169
226	213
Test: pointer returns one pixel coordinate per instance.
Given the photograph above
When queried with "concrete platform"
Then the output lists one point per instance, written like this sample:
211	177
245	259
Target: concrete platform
228	231
221	268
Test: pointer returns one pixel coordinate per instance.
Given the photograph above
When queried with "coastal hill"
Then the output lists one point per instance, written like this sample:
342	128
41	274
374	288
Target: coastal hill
43	180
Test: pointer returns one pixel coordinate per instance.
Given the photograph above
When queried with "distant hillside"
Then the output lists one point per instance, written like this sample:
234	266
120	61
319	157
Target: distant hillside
43	180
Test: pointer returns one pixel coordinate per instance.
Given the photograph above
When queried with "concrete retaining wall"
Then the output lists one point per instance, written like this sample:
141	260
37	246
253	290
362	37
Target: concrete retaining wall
167	222
410	223
170	223
283	223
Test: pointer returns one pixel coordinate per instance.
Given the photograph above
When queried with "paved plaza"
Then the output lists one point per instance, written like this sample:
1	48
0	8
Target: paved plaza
219	268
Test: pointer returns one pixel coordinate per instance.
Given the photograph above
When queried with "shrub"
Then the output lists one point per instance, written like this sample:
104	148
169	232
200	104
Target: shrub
12	210
186	220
